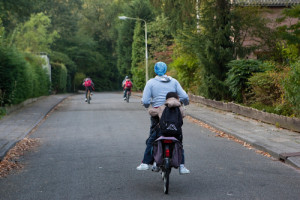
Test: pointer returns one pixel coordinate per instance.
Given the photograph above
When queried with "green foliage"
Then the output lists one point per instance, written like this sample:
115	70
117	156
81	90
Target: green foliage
78	80
2	31
138	47
58	57
238	75
290	33
214	48
138	78
39	77
159	36
266	88
2	112
292	87
138	58
179	12
33	35
286	53
247	22
13	12
58	77
136	9
188	72
280	109
13	76
20	79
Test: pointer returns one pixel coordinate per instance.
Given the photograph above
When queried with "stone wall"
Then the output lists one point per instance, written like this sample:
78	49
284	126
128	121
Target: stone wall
290	123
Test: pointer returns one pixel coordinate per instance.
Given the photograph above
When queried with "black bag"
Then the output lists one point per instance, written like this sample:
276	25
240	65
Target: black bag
171	122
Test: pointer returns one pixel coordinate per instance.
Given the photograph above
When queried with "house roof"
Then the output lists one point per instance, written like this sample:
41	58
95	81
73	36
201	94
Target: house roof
267	2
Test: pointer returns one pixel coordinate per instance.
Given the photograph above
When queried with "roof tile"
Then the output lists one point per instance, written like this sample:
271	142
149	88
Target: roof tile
267	2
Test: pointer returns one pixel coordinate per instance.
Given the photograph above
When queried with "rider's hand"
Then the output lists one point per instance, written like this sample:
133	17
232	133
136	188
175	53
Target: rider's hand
185	102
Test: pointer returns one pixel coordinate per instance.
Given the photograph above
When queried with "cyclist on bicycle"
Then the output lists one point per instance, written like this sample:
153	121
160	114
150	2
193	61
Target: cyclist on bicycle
155	93
89	85
127	85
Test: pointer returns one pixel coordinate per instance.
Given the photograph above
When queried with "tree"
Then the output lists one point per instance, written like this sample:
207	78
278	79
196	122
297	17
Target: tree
248	23
291	33
215	48
136	9
33	35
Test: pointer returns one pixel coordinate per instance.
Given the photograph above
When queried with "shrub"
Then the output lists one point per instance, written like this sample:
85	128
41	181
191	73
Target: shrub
188	72
266	87
292	87
237	77
38	75
21	77
138	77
59	77
79	77
14	80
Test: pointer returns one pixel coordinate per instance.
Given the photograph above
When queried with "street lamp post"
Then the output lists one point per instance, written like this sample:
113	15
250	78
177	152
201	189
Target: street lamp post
146	49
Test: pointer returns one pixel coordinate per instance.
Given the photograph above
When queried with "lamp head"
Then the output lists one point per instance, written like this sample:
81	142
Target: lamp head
123	17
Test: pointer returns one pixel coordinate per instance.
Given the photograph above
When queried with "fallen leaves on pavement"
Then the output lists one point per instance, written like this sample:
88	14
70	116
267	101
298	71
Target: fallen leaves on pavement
10	161
224	135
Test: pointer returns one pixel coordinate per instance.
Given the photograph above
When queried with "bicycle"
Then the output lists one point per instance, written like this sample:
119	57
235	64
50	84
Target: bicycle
165	160
89	96
128	93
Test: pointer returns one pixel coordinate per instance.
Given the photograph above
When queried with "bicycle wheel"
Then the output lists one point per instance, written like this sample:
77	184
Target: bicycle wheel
166	181
127	96
89	97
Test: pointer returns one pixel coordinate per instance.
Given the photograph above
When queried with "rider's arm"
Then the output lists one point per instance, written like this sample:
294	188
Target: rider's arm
146	99
183	96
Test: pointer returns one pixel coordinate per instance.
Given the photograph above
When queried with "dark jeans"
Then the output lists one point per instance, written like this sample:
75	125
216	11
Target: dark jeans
126	89
154	134
86	90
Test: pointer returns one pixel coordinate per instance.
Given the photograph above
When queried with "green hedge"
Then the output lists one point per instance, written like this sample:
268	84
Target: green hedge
59	77
292	87
21	77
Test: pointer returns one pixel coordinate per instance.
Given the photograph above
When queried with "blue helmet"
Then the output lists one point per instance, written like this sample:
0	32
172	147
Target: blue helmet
160	68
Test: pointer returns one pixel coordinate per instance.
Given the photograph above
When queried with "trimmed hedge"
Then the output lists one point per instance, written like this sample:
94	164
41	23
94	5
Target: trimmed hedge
59	77
21	77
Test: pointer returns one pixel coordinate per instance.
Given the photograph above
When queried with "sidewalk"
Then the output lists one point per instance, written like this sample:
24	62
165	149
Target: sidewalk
280	143
15	126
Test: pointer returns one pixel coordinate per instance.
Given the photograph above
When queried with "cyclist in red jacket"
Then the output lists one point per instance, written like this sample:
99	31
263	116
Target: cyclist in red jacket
127	85
89	85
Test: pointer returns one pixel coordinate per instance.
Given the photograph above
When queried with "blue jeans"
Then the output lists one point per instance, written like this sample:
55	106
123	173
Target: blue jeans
88	89
125	91
154	134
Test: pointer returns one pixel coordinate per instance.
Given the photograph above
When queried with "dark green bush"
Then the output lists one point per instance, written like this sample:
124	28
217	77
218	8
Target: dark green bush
21	77
266	88
40	78
59	77
292	87
237	77
14	81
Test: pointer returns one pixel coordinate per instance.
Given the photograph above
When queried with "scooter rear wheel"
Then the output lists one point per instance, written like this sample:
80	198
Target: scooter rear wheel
166	181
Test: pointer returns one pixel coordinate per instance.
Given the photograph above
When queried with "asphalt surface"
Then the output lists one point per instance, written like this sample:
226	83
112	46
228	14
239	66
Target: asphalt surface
269	138
15	126
90	151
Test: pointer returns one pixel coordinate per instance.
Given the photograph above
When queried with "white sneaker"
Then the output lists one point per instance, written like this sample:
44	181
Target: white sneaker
85	99
183	170
124	98
143	167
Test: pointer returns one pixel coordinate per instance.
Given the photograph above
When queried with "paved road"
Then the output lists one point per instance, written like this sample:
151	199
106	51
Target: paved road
91	152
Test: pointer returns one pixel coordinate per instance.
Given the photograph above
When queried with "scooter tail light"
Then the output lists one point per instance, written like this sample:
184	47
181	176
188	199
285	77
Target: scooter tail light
167	152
